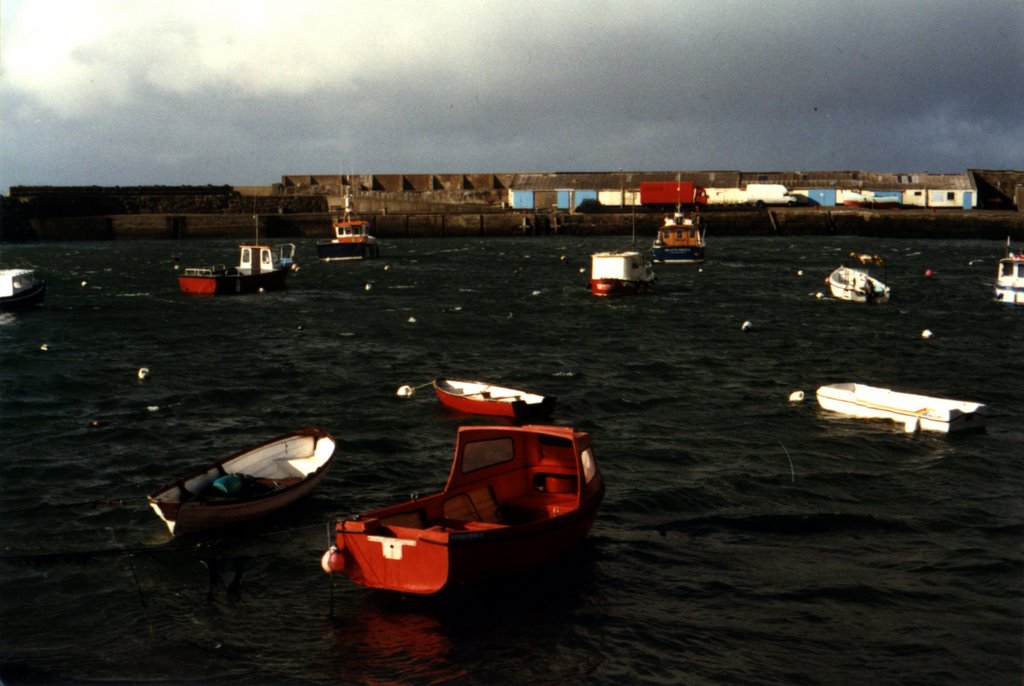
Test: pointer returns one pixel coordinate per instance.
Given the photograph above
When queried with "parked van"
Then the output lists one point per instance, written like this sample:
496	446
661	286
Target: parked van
762	194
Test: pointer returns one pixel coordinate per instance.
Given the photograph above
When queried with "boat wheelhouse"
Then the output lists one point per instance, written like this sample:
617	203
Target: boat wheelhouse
1009	286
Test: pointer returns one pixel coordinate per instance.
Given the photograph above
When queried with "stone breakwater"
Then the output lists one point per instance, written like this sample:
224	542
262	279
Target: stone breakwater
934	224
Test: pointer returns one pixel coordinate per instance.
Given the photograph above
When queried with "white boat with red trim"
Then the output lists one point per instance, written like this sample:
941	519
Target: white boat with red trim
621	273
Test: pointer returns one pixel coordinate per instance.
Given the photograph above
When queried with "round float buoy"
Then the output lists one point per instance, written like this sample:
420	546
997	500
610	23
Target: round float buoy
84	283
747	326
536	293
928	273
796	396
799	272
332	561
97	423
367	287
143	373
44	347
927	333
819	295
411	319
405	391
261	289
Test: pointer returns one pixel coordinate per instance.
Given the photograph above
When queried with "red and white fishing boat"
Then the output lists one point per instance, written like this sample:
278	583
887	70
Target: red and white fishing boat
249	484
477	397
620	273
260	268
516	498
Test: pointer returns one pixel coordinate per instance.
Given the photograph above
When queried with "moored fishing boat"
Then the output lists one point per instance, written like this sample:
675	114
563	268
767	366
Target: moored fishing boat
260	268
854	285
620	273
20	289
477	397
249	484
912	410
352	241
1009	285
680	240
516	499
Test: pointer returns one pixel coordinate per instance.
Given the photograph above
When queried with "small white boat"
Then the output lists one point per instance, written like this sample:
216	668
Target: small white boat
857	286
249	484
20	289
1009	286
913	411
620	273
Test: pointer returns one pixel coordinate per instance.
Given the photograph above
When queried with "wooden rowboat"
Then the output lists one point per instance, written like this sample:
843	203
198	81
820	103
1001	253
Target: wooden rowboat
477	397
517	498
913	411
249	484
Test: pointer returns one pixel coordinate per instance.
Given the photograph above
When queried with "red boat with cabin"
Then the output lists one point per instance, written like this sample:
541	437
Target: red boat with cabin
517	498
260	268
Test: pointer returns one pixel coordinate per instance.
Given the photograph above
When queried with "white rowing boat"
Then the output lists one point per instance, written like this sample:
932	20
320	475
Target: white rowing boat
913	411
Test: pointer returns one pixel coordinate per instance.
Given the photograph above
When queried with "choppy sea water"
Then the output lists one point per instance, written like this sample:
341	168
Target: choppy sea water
743	539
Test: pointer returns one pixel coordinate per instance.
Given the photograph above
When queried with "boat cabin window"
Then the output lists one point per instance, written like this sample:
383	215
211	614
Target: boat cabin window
1020	270
246	256
1007	268
265	257
480	454
589	466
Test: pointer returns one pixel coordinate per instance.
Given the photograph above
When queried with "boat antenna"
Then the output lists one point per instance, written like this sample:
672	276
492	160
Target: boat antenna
256	219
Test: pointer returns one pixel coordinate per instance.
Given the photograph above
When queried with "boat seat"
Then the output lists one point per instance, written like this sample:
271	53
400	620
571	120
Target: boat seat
478	505
416	519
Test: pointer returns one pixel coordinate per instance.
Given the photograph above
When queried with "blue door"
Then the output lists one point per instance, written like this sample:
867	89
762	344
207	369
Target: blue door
826	197
522	200
968	196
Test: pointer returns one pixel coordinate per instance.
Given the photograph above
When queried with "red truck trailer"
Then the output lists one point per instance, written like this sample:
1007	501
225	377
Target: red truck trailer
672	193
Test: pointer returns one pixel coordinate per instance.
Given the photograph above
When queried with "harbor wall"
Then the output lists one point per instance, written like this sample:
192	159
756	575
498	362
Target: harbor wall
940	224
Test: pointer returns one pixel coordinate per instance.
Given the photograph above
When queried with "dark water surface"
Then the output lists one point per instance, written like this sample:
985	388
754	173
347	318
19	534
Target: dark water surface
744	538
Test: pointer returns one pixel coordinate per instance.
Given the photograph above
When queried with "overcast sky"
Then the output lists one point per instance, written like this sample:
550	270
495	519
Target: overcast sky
126	92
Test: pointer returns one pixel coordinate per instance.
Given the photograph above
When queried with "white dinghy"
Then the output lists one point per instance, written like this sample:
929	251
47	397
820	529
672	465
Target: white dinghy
913	411
857	286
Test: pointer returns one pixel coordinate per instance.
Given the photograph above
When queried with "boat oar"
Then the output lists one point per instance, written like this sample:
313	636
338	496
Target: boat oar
409	391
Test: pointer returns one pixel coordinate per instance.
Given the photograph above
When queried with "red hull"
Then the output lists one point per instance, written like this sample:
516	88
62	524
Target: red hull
517	498
517	409
618	287
229	284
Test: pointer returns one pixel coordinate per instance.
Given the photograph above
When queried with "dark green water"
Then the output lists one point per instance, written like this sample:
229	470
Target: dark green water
743	539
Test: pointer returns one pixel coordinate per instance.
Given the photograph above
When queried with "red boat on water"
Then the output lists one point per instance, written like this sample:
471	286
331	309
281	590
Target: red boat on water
517	498
260	268
477	397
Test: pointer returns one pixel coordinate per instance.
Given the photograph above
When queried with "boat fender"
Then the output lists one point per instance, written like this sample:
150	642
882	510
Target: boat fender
332	561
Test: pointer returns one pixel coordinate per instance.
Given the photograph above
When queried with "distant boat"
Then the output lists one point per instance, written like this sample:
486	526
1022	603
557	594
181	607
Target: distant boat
680	240
351	241
1009	286
855	285
517	498
620	273
20	289
913	411
260	268
477	397
249	484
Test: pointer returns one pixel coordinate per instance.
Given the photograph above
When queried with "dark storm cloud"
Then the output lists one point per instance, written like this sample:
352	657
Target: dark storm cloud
929	86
